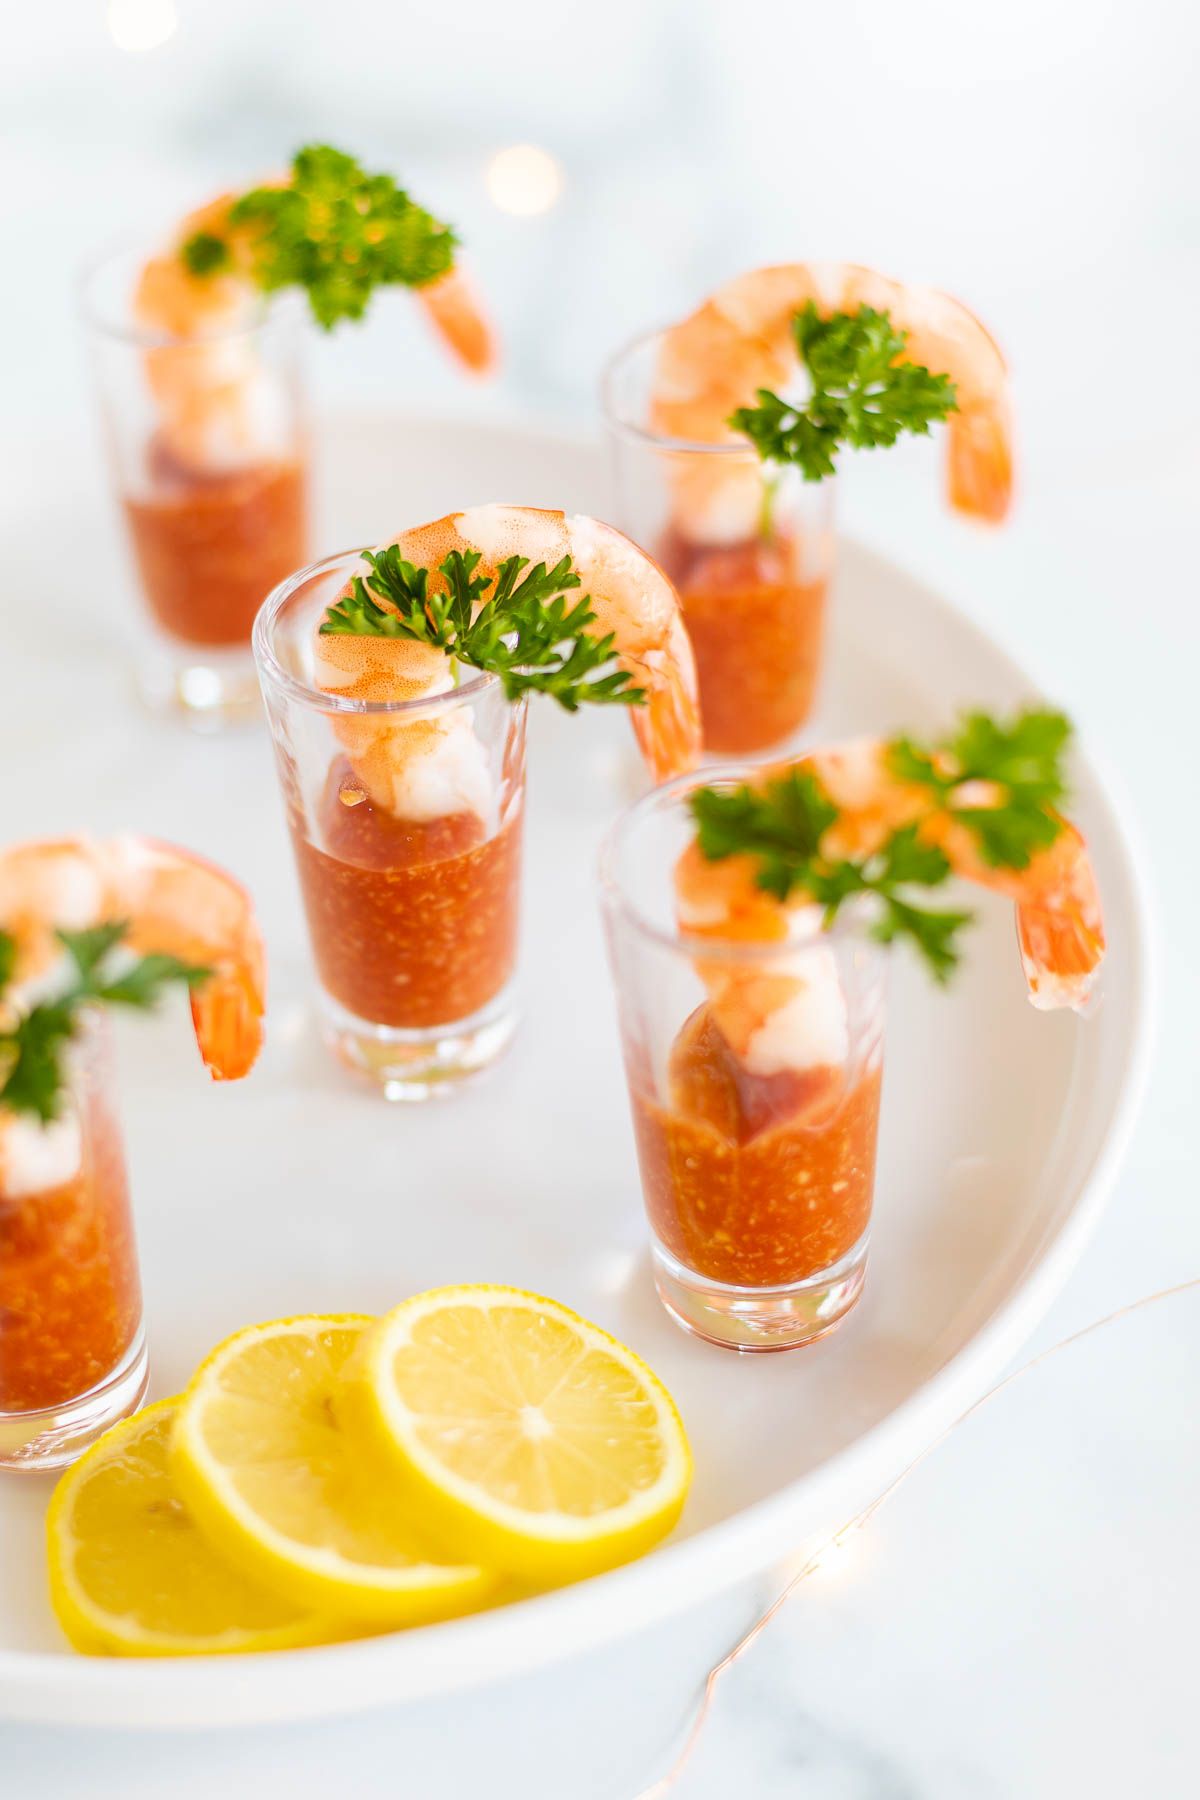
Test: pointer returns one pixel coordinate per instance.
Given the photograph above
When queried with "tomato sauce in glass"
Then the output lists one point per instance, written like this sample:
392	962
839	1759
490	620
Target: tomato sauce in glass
757	1181
413	924
210	548
757	629
70	1298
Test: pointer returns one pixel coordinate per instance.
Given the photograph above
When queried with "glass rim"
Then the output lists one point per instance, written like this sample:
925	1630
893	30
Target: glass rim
271	669
623	426
266	307
848	925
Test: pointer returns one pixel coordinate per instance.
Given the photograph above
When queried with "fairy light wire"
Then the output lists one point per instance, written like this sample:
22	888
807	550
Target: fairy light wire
664	1784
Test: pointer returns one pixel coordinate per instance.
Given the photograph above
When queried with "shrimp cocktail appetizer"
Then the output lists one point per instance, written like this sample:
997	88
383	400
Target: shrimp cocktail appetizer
198	361
727	429
748	922
86	926
396	683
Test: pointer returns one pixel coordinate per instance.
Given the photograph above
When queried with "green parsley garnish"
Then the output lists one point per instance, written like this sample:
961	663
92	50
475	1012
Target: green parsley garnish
524	631
32	1047
335	231
1023	759
863	393
782	825
206	254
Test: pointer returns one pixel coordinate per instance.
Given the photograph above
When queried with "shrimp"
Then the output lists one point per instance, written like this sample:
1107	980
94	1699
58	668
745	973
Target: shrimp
765	1015
220	406
174	904
411	767
1060	925
741	339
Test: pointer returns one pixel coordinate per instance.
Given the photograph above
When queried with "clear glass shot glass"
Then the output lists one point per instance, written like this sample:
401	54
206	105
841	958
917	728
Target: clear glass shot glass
757	1164
412	920
207	446
72	1348
750	548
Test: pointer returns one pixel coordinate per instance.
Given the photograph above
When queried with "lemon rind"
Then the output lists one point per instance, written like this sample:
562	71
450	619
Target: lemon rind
554	1551
321	1580
96	1632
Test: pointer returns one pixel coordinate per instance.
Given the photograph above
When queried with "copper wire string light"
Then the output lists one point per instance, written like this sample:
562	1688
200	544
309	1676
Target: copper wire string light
666	1782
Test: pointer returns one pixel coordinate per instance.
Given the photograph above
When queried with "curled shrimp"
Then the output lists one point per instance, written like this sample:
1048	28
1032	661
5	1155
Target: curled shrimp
1060	927
401	762
220	406
1060	924
741	340
174	903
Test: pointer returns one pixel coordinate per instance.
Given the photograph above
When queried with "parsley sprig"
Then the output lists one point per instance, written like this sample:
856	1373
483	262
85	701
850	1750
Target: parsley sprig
524	630
33	1043
864	393
333	230
1023	759
782	826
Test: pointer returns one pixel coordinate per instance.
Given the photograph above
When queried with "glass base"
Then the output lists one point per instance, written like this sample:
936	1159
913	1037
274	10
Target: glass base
208	687
32	1442
425	1064
759	1319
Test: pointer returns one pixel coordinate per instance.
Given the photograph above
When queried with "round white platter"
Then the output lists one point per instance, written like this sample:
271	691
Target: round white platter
298	1191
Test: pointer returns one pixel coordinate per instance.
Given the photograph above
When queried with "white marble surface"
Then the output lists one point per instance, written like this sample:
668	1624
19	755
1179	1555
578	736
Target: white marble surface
1016	1619
1042	161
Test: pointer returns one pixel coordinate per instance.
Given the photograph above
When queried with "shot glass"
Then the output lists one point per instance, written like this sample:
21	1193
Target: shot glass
72	1347
412	920
749	546
754	1076
207	450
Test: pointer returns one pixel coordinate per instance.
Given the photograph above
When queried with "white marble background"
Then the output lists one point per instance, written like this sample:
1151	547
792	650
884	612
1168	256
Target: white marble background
1040	160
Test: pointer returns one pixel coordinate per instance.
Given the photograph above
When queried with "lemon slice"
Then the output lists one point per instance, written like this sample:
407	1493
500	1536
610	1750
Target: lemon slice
266	1467
536	1443
130	1575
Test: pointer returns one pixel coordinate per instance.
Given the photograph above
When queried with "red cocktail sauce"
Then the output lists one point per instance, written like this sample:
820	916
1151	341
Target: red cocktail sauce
756	627
756	1181
413	924
70	1299
210	548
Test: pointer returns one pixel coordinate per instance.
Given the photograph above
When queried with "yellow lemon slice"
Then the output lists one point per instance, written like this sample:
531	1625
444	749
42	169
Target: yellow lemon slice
130	1574
535	1442
268	1469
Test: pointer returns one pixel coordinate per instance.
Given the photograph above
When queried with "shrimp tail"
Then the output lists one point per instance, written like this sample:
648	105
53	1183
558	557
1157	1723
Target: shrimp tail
454	310
668	727
1060	933
227	1013
979	464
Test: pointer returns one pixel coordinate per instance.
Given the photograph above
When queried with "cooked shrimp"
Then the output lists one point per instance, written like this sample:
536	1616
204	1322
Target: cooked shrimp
741	339
407	765
1060	927
175	904
208	383
414	768
169	298
220	405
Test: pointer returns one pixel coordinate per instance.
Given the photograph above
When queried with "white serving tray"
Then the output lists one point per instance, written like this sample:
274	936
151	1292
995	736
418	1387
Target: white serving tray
298	1191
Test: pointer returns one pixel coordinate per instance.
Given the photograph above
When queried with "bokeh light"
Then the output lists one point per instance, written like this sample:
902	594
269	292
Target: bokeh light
524	180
